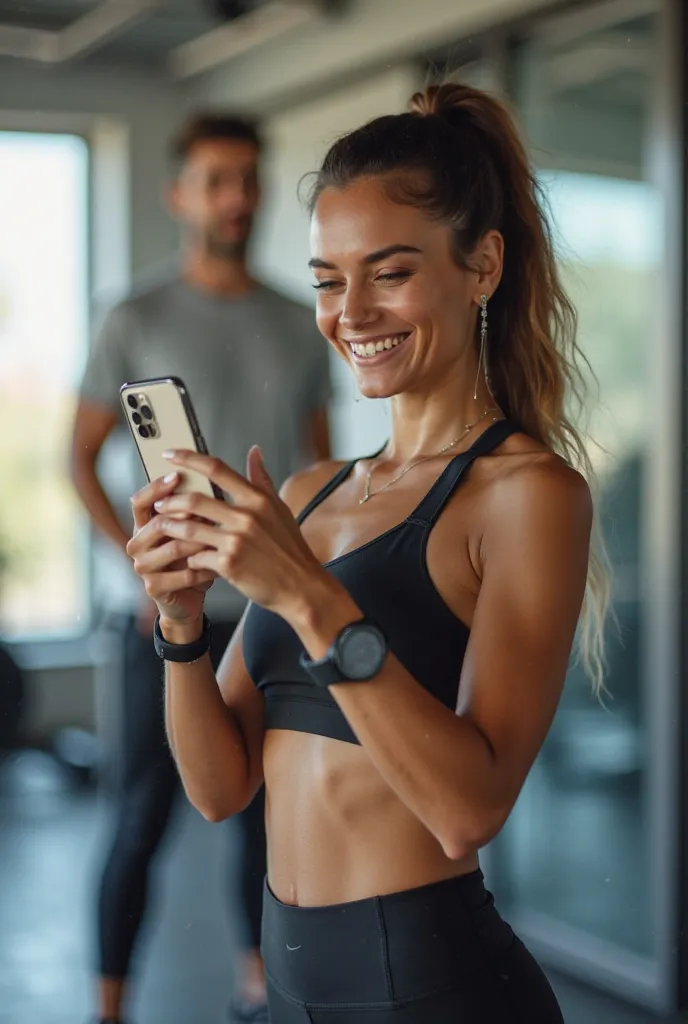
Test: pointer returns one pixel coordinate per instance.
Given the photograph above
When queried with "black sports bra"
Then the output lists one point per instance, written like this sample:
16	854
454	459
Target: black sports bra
388	579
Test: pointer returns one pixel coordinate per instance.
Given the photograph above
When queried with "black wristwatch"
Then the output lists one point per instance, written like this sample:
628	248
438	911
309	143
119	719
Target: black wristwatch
356	654
182	653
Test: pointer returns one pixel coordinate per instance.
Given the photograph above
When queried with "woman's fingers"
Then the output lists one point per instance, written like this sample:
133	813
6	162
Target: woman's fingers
163	584
196	532
146	537
142	501
163	556
227	479
198	506
220	563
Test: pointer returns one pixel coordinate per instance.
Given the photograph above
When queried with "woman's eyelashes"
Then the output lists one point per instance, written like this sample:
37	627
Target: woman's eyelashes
390	277
394	275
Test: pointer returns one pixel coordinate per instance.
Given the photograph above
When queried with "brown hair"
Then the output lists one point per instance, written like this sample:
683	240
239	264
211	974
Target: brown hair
457	155
208	126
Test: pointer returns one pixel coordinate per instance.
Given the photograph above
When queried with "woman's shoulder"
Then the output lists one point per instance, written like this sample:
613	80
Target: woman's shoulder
302	487
527	477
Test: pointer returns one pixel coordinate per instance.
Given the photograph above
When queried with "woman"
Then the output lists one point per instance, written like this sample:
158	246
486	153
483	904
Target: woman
400	664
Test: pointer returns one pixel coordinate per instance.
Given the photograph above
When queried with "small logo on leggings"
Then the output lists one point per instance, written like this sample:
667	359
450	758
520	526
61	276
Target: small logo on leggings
292	948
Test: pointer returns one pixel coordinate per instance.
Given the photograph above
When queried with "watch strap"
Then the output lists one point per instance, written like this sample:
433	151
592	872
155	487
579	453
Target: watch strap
328	670
323	672
182	653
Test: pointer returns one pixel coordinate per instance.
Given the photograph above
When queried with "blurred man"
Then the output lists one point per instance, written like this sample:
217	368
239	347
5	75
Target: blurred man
257	372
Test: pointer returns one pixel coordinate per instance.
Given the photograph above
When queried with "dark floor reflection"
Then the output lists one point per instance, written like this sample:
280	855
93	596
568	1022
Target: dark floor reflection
50	841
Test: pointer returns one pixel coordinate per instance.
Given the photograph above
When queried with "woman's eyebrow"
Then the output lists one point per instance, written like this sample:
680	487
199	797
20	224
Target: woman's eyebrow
373	257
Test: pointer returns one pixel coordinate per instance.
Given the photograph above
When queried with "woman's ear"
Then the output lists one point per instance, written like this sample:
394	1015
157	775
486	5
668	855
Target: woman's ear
489	258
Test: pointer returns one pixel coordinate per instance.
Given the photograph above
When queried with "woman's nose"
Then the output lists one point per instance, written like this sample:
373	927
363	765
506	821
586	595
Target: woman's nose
357	310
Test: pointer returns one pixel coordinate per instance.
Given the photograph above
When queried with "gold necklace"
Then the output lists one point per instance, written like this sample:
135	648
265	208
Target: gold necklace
466	430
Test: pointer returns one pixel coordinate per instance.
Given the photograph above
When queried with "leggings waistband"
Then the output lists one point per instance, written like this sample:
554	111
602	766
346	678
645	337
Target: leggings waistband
387	948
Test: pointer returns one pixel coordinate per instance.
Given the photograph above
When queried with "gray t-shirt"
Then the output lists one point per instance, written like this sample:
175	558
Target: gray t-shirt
255	366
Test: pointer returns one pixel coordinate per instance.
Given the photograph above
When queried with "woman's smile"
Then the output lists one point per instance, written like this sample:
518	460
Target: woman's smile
377	349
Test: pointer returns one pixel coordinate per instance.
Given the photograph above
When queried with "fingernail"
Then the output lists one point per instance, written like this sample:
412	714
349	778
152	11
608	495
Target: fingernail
168	454
158	505
170	478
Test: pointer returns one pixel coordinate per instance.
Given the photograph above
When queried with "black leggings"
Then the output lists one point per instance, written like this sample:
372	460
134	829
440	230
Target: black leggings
149	785
440	954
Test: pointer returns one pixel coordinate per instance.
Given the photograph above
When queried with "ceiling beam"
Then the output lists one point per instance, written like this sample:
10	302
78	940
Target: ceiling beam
83	35
240	36
370	37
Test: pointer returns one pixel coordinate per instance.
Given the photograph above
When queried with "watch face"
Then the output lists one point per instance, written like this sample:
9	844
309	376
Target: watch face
361	652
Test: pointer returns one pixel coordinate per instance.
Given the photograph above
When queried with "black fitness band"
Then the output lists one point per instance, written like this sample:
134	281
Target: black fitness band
182	653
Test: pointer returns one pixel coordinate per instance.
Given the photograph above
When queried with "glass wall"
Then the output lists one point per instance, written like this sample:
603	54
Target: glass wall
577	868
577	846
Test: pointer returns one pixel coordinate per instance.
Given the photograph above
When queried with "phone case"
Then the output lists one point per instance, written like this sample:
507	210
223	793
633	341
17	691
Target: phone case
161	416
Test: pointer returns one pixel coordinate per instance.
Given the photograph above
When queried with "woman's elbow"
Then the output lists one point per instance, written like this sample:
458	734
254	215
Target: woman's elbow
220	806
213	809
215	814
464	838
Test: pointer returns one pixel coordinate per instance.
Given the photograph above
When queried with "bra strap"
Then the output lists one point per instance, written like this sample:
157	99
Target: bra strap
325	491
426	513
332	485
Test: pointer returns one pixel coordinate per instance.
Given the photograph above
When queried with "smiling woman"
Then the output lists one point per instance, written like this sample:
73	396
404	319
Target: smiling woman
405	648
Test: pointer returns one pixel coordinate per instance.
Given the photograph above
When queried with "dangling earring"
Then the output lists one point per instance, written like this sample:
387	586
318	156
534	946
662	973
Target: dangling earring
482	358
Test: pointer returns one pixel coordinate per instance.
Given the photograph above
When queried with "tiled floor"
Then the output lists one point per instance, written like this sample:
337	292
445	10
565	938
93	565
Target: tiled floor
50	847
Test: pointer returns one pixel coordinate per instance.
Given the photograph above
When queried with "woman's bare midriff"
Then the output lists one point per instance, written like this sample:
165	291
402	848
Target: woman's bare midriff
336	831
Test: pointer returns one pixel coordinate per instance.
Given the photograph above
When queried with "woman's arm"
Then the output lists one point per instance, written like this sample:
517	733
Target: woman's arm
215	726
461	773
215	732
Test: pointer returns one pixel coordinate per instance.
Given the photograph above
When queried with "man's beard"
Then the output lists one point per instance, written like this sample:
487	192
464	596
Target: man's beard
228	251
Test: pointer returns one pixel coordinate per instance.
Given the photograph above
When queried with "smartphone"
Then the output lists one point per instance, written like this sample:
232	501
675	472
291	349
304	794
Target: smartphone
160	415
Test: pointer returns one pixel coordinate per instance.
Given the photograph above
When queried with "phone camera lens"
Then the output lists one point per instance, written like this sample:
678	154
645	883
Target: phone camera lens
131	399
151	430
145	409
143	431
136	418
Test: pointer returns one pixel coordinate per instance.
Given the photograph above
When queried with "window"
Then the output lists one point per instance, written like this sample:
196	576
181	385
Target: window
576	850
44	578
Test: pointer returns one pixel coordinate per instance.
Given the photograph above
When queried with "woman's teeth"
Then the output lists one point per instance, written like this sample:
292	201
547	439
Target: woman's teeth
371	348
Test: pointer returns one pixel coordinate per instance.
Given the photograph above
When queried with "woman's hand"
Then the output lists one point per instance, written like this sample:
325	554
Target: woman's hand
255	543
177	589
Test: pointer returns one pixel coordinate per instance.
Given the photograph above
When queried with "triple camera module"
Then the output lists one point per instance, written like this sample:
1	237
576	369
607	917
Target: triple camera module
142	415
